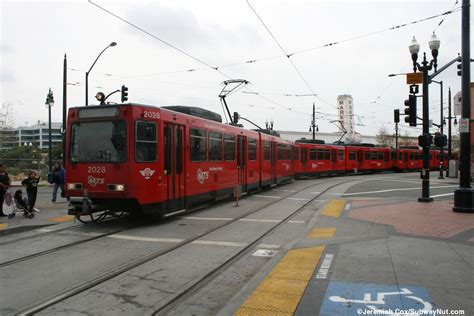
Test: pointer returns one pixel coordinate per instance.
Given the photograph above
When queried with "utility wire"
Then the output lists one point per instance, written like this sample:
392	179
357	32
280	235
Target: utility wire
216	68
288	56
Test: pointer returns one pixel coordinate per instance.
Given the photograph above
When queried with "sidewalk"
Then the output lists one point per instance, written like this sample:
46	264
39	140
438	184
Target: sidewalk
50	214
368	256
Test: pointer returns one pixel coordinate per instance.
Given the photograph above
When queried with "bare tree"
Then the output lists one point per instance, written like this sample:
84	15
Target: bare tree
384	138
6	115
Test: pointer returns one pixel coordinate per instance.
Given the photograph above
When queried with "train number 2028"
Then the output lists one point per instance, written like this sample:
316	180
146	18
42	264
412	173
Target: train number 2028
151	114
96	169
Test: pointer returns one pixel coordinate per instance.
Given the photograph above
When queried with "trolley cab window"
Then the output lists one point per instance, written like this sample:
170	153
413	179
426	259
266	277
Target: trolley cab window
145	141
98	142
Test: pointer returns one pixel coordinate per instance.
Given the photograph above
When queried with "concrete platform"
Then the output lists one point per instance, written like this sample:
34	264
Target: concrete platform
369	254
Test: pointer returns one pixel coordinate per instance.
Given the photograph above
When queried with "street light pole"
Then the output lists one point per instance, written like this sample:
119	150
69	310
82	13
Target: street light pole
449	129
87	72
63	129
49	103
425	66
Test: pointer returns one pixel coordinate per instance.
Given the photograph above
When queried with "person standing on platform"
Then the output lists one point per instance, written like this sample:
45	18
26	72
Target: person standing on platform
58	180
5	182
31	184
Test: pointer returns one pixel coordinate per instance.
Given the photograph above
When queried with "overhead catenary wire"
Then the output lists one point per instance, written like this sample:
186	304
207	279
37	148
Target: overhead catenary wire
288	56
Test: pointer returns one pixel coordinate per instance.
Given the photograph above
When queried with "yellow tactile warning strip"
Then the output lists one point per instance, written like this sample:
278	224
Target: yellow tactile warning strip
334	208
282	289
61	219
3	226
324	232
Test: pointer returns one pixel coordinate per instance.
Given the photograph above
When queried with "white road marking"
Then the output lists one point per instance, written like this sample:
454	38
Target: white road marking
219	243
209	218
44	230
267	196
259	220
127	237
297	199
284	190
446	194
270	246
241	220
393	190
296	222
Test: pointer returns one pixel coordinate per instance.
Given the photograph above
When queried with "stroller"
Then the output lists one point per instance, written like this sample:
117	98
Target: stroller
17	204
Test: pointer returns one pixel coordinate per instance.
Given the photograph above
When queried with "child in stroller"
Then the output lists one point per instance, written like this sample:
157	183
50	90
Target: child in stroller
20	205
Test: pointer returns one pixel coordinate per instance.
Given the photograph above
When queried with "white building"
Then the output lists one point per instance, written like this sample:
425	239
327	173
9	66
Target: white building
37	135
345	107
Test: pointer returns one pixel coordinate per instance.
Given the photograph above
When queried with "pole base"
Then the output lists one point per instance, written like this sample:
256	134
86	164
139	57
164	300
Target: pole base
464	200
425	200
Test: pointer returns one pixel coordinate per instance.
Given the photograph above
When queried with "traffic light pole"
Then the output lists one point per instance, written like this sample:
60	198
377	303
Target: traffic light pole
464	195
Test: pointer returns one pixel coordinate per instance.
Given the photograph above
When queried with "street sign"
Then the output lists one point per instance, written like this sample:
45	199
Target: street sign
457	104
414	78
464	125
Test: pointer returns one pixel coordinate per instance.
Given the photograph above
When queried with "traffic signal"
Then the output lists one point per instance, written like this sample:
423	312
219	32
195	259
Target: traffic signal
459	66
440	140
396	116
124	94
236	117
410	110
425	140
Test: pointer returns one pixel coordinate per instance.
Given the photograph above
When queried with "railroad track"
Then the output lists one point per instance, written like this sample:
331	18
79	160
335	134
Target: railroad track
51	250
162	251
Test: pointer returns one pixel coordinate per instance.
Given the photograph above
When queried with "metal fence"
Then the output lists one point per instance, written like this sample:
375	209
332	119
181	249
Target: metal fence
18	169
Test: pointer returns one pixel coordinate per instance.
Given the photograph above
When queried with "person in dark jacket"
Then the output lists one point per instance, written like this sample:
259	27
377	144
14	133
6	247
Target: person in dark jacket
31	184
5	182
58	180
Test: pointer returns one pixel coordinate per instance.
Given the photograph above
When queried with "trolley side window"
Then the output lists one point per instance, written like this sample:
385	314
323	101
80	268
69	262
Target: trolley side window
197	144
229	147
312	154
215	146
295	153
352	155
252	143
145	141
340	155
266	150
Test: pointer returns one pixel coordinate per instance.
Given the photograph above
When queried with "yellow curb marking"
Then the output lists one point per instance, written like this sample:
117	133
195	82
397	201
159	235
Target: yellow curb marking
3	226
334	208
61	219
324	232
282	289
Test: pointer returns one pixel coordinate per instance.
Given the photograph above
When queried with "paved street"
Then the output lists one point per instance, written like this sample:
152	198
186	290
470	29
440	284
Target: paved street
362	237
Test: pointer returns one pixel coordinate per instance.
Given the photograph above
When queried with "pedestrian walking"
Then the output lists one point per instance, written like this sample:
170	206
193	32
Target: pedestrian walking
58	180
5	182
31	184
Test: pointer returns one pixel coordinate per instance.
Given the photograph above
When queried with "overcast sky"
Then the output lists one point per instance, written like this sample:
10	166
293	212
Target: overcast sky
35	36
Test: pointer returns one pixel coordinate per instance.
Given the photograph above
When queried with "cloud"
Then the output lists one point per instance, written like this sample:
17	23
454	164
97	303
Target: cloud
6	76
176	26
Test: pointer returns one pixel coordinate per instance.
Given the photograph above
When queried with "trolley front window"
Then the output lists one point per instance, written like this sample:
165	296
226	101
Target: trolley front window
98	142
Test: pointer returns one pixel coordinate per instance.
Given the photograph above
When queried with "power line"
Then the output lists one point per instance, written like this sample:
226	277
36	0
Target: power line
282	49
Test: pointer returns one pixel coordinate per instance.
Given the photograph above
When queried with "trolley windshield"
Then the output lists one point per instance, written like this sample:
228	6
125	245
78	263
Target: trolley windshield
98	142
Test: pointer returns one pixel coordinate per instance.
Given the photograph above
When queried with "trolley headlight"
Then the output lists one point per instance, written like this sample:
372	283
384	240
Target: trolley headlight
116	187
74	186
